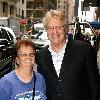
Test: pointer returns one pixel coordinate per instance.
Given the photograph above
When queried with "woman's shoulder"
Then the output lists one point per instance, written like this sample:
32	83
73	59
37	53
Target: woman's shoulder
39	77
6	82
8	76
7	79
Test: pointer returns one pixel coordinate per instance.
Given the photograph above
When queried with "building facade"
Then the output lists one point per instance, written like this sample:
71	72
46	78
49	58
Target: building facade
94	8
72	10
13	8
21	8
8	8
62	5
37	8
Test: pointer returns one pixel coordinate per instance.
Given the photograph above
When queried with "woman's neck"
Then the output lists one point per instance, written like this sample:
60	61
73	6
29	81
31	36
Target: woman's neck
24	74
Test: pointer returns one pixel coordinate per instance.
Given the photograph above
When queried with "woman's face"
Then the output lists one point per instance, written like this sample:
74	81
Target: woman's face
26	56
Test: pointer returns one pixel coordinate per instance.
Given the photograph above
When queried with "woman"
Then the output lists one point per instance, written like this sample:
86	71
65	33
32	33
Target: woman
21	83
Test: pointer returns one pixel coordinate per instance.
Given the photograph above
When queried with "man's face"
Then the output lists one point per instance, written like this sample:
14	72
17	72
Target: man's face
56	31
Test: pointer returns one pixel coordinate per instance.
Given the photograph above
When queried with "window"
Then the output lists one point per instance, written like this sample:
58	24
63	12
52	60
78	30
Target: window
64	2
11	10
19	11
38	14
38	5
22	13
64	7
58	6
23	1
59	1
83	8
4	7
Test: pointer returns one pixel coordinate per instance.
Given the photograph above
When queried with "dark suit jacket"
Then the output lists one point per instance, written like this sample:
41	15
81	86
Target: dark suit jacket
78	79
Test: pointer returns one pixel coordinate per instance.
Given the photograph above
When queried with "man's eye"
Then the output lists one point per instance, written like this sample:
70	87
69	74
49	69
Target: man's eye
24	54
59	27
50	28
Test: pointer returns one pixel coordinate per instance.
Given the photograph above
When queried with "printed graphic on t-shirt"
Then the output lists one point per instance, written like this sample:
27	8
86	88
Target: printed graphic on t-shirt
28	96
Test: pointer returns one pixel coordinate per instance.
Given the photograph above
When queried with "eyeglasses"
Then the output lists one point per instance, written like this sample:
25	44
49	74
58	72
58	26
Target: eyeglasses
58	28
23	54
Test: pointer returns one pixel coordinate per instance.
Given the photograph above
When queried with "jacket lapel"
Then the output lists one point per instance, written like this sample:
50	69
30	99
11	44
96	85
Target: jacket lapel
67	57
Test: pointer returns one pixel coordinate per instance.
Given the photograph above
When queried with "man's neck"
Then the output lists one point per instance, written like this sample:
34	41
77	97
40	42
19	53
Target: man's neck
57	47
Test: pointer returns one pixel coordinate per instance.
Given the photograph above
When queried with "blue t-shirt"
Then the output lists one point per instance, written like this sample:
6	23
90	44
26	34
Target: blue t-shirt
12	88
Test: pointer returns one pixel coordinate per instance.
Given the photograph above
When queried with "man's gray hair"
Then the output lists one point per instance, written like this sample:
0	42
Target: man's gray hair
51	14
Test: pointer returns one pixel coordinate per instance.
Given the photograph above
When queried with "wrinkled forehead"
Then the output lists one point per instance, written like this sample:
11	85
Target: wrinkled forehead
55	20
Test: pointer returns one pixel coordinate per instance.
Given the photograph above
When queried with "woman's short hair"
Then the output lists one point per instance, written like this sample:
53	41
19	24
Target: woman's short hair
20	43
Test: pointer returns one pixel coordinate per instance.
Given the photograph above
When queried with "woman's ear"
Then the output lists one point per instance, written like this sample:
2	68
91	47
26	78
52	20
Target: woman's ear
16	61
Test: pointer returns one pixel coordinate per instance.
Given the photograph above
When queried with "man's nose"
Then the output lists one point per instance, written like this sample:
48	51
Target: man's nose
54	29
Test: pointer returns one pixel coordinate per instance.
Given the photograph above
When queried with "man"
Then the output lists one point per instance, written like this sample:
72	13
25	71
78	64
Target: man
69	67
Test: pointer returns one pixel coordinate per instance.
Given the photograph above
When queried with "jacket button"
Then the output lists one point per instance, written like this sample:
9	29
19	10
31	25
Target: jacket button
59	80
59	94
